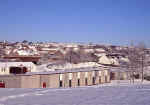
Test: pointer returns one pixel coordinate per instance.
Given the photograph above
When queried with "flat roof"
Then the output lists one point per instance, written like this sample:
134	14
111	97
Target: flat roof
60	71
7	64
67	71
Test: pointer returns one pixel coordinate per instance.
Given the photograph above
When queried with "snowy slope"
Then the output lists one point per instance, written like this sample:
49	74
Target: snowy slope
93	95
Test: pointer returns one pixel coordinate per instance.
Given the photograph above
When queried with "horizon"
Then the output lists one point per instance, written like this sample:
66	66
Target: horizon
84	43
106	22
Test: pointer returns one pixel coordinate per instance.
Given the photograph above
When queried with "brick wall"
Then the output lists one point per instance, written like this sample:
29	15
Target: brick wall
54	81
11	81
30	81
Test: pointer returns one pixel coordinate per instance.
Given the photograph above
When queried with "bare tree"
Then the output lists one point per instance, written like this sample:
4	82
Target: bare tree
133	65
79	56
137	60
72	56
142	58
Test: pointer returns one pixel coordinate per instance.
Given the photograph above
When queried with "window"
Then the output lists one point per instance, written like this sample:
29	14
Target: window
99	79
60	83
60	80
86	78
86	81
78	82
105	78
3	69
70	84
70	78
112	76
93	80
78	75
94	74
18	70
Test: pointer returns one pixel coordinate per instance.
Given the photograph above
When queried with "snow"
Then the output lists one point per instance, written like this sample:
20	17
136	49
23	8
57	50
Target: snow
115	93
42	68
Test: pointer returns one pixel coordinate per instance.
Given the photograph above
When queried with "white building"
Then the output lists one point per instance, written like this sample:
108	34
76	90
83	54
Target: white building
16	67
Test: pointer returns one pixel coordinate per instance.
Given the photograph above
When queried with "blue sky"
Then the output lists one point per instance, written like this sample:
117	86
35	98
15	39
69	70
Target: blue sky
99	21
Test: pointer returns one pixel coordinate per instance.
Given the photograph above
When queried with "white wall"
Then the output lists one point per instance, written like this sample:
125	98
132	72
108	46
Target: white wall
5	66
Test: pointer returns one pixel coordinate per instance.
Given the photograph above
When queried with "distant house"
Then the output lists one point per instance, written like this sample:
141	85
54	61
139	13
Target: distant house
105	60
7	68
115	61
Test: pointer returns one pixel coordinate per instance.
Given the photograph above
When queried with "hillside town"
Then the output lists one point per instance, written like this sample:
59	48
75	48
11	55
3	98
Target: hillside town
53	65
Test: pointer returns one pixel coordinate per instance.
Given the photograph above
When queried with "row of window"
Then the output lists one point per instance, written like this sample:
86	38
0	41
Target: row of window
14	69
94	74
86	81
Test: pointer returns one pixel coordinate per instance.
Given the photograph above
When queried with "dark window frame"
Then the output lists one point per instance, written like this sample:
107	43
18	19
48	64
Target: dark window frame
60	83
18	70
78	82
100	81
86	81
105	79
93	80
70	83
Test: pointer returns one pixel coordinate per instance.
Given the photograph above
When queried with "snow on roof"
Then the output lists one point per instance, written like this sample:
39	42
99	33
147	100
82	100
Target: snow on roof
104	60
72	66
2	64
67	71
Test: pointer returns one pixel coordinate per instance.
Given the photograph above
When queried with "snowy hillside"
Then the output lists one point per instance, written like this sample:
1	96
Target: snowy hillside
92	95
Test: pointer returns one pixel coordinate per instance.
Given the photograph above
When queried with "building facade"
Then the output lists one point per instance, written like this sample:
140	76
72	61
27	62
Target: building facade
57	79
7	68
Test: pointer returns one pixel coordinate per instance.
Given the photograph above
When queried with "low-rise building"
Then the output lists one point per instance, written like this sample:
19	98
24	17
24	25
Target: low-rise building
7	68
57	79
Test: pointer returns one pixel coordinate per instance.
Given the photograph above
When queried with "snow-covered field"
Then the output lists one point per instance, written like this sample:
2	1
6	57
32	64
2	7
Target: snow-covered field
115	93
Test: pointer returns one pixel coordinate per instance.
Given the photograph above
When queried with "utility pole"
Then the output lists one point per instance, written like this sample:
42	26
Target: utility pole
142	68
71	56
